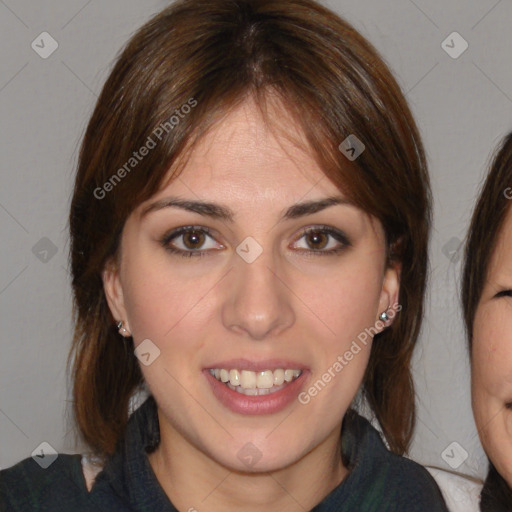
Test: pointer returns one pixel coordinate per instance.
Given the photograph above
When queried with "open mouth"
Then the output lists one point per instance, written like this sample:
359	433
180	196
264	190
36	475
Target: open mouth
251	383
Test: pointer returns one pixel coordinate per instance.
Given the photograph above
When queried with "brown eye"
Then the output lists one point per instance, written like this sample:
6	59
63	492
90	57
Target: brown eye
317	239
193	239
190	241
322	240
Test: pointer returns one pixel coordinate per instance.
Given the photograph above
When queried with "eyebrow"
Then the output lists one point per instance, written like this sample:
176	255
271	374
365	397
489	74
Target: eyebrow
217	211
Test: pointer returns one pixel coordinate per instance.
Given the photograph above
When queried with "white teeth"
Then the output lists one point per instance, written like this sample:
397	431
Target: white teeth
265	379
247	379
278	377
255	383
234	377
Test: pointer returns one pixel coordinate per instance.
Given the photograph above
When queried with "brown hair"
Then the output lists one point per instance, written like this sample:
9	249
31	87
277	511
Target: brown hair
488	217
486	223
217	52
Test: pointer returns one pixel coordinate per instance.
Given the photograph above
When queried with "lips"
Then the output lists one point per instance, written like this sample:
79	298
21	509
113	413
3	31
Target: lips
256	387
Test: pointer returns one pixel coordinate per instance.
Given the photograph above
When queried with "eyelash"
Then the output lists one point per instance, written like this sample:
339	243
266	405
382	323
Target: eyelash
334	233
504	293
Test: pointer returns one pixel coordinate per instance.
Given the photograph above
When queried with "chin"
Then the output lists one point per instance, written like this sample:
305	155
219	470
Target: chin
251	457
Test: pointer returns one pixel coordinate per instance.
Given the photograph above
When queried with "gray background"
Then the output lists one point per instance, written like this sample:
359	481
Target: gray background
463	107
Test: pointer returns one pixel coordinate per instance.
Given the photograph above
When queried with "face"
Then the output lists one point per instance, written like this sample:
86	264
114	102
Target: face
256	278
492	357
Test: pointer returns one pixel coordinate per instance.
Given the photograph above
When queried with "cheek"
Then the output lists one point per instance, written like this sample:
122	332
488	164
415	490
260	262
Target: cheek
161	298
492	383
346	299
346	303
492	353
496	439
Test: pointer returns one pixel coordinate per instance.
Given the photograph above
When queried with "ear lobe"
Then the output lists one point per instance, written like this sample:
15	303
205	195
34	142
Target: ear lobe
113	290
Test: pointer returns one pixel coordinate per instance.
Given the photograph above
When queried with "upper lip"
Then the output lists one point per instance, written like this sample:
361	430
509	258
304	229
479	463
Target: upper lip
257	366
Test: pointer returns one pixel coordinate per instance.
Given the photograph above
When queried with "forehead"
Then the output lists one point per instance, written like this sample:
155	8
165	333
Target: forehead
243	156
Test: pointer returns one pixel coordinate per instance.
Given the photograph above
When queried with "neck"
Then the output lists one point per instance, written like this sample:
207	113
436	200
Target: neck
193	481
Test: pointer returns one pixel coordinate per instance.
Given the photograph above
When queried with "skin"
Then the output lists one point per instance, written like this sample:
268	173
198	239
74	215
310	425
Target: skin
492	357
288	303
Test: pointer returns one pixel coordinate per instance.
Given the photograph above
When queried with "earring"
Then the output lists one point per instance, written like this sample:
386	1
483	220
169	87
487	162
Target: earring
122	330
384	316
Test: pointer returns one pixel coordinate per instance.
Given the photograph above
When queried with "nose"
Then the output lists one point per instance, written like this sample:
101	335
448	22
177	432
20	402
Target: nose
258	299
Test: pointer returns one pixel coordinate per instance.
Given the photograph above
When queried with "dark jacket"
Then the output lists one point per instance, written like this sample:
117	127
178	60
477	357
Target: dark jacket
378	480
496	495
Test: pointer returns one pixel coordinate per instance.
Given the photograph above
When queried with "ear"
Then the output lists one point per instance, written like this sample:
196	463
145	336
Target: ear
114	292
390	292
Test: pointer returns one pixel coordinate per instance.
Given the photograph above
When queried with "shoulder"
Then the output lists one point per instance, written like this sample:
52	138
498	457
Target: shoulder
462	493
382	477
416	488
29	486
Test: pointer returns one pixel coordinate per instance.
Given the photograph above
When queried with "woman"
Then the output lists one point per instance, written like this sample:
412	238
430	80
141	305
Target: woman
486	296
249	233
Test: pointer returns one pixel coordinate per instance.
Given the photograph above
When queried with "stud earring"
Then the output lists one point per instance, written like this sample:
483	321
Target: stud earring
384	316
123	331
